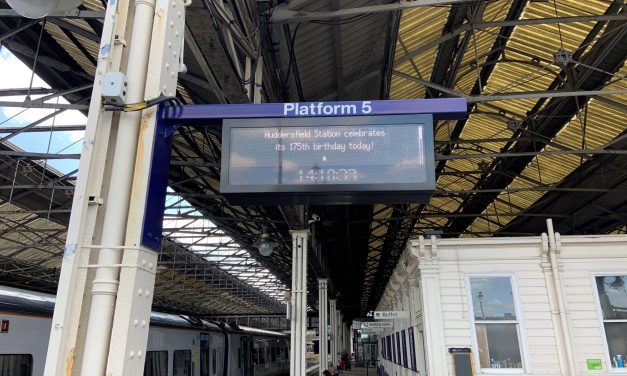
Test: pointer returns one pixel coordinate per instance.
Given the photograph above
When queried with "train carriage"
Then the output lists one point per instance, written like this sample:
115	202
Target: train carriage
178	345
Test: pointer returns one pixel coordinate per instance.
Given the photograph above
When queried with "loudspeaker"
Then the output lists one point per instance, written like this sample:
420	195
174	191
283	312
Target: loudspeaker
41	8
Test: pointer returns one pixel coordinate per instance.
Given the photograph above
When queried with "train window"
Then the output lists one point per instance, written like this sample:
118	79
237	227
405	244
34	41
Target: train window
214	361
156	363
16	365
255	356
204	354
182	363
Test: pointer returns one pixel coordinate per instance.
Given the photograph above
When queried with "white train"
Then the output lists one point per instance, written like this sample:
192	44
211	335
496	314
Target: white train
178	345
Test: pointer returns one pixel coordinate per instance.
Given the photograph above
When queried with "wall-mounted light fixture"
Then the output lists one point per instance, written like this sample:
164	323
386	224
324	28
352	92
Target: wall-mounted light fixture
42	8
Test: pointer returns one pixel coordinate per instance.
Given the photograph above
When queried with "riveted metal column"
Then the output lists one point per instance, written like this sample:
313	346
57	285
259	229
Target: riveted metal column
333	334
299	302
322	322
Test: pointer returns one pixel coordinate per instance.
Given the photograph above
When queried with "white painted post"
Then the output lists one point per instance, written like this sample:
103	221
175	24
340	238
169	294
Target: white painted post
299	302
112	231
333	324
432	309
322	323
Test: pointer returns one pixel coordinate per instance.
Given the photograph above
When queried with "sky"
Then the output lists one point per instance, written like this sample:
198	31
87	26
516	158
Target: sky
14	74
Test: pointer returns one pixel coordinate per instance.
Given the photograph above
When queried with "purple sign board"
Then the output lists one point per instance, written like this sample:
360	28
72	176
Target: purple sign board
440	109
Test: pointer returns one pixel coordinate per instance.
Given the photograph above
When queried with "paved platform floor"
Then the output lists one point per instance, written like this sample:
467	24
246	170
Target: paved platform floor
358	371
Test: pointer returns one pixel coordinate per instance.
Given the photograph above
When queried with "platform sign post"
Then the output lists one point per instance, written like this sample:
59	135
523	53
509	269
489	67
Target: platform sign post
389	315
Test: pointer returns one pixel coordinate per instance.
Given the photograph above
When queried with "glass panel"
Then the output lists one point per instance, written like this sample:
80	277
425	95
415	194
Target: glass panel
214	361
498	346
255	356
204	354
616	333
182	363
156	363
404	340
16	365
613	296
492	298
412	350
398	348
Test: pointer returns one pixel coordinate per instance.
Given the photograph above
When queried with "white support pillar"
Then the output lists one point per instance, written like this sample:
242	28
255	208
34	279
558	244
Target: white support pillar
322	323
299	302
92	324
432	308
340	330
333	334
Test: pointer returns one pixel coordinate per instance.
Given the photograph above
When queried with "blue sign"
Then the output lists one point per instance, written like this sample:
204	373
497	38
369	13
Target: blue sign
445	108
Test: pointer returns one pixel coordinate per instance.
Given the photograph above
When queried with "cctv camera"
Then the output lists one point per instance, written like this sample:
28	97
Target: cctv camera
315	217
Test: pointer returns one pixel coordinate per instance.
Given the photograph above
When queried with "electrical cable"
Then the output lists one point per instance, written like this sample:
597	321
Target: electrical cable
173	101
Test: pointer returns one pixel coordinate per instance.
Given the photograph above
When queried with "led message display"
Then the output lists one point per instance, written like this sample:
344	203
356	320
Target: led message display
348	155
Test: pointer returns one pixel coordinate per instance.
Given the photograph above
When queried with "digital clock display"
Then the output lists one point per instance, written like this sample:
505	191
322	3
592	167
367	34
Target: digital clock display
328	154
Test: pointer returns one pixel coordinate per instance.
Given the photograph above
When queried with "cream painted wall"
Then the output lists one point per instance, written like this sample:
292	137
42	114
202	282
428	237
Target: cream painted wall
430	282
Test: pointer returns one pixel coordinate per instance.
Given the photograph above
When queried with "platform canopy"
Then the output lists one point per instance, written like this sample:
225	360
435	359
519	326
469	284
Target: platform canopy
545	136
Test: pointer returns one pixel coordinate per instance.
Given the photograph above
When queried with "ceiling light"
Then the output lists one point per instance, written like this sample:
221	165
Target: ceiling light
41	8
264	244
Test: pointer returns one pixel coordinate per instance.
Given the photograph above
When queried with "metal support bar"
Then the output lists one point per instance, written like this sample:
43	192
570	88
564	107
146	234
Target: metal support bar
506	23
283	14
299	302
54	106
333	325
74	13
18	30
322	322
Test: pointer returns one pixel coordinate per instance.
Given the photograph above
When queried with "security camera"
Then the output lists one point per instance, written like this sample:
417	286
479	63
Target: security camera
314	218
41	8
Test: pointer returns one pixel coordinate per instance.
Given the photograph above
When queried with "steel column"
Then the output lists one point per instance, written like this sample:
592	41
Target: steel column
299	302
333	334
322	323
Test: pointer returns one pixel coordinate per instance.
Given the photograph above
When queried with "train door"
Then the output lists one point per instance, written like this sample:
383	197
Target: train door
205	354
245	356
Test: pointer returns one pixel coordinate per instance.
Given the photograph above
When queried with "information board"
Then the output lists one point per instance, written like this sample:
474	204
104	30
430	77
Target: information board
329	160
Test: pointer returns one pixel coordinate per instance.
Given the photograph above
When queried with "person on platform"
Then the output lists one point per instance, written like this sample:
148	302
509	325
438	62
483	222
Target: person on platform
331	369
342	364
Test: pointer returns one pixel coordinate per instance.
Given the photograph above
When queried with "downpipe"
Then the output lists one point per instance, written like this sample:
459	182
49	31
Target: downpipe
559	294
105	285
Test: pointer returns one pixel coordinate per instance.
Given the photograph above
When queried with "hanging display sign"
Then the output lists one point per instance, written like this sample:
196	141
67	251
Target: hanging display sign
370	325
328	160
388	315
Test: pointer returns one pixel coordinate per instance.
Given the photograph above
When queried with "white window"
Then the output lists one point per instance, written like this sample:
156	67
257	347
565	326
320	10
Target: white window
496	322
612	294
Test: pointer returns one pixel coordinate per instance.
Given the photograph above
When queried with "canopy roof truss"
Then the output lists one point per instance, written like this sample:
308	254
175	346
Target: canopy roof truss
545	136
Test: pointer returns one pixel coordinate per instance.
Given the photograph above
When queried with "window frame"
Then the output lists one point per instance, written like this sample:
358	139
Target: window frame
398	349
601	321
412	349
167	359
29	356
404	348
191	359
519	324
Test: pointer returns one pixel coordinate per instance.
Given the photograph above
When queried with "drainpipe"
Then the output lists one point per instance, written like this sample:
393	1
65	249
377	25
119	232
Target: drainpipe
559	294
105	285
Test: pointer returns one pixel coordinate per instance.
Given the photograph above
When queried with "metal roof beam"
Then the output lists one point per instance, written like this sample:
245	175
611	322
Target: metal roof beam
606	55
506	23
74	13
285	15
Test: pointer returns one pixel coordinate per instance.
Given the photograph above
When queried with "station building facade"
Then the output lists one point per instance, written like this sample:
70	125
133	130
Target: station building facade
545	305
